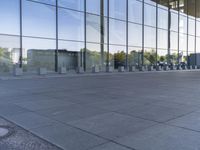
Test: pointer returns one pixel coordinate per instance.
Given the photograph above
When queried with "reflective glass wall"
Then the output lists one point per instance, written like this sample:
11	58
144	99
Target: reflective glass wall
88	33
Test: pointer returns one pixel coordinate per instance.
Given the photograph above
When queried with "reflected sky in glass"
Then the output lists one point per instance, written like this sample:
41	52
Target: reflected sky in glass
72	4
70	25
52	2
10	18
39	20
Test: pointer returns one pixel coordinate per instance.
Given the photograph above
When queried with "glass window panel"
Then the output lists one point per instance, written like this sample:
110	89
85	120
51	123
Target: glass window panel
117	32
149	37
117	56
93	28
135	11
39	20
173	57
191	26
149	56
93	56
183	24
52	2
182	42
198	28
134	56
149	15
106	58
105	7
183	57
174	41
191	43
162	57
38	53
10	17
9	52
93	6
118	9
135	35
70	54
105	30
198	45
72	46
72	4
162	39
174	21
162	18
70	25
150	2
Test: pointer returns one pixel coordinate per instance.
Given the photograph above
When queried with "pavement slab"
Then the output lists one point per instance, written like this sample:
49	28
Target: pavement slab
163	137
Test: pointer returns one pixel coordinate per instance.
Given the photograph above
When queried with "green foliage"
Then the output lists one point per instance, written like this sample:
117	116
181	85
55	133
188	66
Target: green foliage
162	58
120	56
150	56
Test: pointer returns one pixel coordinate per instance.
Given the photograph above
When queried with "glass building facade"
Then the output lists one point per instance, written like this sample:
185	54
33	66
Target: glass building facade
87	33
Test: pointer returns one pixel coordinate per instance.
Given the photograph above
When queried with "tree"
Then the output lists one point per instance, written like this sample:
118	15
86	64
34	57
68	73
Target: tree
119	58
150	56
162	58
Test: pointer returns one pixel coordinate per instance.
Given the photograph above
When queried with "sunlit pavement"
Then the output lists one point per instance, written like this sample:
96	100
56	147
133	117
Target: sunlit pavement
141	111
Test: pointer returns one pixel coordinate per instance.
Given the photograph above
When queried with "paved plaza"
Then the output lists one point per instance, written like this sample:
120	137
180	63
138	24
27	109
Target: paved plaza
127	111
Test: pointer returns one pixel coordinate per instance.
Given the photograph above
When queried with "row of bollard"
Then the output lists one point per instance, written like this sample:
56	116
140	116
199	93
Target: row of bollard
165	68
96	69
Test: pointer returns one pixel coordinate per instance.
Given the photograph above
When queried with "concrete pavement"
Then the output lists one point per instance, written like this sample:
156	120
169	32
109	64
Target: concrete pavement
144	111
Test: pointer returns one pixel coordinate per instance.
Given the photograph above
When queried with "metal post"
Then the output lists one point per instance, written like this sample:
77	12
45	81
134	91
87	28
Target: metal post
195	33
56	51
169	33
102	32
108	34
178	30
187	32
85	36
142	33
127	34
21	44
156	32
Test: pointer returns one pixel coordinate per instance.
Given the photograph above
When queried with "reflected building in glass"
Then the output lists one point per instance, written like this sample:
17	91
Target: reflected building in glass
103	33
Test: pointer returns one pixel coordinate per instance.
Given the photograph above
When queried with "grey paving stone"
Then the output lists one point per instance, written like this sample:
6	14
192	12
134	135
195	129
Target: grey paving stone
156	112
70	113
110	146
163	137
25	98
67	137
112	125
187	107
88	99
113	105
11	109
190	121
43	104
30	120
